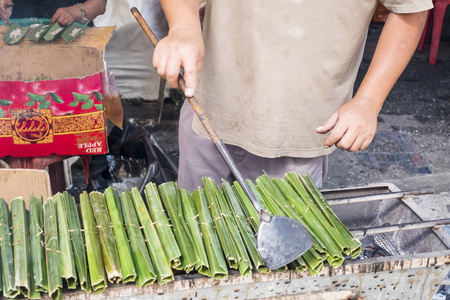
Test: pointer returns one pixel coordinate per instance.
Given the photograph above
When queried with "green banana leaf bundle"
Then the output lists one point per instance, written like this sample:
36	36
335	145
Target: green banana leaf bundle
53	32
38	32
72	31
42	31
14	33
136	239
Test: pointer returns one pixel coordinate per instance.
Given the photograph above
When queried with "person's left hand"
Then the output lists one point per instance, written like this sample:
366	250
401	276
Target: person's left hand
353	125
66	15
6	8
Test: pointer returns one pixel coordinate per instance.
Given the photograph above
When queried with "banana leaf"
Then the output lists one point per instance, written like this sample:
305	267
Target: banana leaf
244	263
38	32
216	259
52	250
93	247
21	247
77	237
72	31
244	228
33	293
353	245
7	253
14	33
250	211
323	232
171	199
163	226
123	245
144	266
190	217
277	204
221	227
37	244
53	32
106	236
164	273
68	270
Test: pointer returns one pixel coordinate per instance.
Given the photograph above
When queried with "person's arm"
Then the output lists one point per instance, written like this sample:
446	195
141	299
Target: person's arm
6	7
183	47
91	8
353	125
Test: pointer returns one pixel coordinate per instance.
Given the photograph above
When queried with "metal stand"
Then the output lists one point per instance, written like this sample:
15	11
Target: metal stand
162	87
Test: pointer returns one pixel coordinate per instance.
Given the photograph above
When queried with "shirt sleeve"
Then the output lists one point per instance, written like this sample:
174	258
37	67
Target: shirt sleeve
407	6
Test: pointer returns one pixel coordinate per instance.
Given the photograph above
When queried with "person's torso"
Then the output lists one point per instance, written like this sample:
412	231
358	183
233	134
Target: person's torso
274	71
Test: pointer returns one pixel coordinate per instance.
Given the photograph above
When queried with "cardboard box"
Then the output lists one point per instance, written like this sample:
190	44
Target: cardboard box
22	183
51	101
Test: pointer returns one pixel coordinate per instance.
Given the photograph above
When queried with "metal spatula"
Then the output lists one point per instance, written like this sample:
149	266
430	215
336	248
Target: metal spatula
280	239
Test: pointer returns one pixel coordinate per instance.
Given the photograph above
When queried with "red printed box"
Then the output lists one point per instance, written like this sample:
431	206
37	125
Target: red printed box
51	101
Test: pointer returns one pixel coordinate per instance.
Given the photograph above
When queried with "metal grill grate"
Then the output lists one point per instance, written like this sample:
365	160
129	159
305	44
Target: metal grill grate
386	242
380	241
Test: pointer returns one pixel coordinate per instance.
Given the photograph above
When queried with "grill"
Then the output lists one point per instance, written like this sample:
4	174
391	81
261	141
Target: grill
375	238
406	256
384	217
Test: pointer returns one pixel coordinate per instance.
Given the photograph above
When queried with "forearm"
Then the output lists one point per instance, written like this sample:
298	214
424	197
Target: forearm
94	8
183	47
354	124
397	43
181	14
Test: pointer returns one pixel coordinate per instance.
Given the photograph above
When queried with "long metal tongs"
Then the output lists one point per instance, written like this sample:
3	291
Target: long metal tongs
280	239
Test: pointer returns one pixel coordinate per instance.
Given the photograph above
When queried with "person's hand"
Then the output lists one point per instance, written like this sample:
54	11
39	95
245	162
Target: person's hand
182	48
66	15
6	7
353	125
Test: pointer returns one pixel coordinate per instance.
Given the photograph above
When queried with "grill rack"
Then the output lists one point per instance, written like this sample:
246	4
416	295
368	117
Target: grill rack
380	228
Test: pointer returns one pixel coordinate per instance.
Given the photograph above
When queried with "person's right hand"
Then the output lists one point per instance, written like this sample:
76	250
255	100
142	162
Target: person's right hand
182	48
6	7
65	16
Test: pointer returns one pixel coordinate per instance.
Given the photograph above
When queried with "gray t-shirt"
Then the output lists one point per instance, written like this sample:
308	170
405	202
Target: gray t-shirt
276	70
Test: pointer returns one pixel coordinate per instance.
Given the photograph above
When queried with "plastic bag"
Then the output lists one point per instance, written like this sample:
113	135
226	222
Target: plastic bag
135	158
